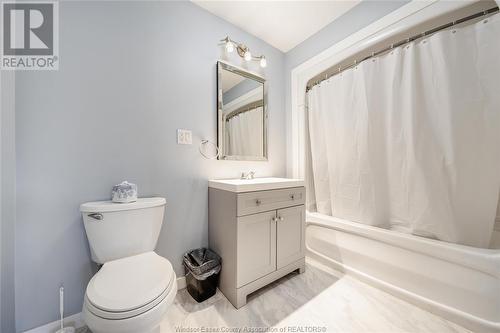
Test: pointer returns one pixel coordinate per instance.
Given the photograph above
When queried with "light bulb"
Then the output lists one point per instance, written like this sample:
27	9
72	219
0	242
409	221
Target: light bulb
229	46
263	62
247	55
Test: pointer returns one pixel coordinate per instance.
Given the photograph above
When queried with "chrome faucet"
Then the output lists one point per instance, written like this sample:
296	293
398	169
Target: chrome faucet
248	175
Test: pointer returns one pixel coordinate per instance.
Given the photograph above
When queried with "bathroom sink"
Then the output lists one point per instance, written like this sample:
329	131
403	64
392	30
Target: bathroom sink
256	184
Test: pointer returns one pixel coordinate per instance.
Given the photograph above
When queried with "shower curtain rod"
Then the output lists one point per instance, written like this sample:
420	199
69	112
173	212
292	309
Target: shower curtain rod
245	108
397	44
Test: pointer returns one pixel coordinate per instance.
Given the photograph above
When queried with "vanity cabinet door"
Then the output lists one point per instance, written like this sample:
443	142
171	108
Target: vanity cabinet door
290	235
256	247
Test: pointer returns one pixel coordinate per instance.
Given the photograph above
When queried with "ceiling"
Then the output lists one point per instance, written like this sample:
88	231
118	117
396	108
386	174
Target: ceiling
283	24
230	80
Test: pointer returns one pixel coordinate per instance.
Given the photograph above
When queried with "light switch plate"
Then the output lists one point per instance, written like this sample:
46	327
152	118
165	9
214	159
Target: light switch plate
184	137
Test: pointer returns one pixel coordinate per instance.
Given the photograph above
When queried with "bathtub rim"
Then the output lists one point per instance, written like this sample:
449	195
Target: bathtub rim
486	261
448	312
467	320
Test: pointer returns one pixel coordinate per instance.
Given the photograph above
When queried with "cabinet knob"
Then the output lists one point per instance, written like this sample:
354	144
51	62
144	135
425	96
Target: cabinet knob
292	196
258	202
274	219
281	218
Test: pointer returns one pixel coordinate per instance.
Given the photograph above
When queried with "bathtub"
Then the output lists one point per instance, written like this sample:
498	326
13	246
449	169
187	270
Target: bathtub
457	282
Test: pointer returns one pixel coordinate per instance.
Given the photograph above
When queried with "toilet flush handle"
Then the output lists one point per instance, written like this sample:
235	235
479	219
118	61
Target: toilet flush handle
97	216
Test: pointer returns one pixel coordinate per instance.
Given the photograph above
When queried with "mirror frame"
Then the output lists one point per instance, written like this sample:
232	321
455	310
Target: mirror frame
221	65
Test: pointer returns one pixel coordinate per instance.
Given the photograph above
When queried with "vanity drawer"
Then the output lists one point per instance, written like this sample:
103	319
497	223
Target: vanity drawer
262	201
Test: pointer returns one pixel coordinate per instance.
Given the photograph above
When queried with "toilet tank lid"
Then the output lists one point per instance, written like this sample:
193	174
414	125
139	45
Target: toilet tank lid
109	206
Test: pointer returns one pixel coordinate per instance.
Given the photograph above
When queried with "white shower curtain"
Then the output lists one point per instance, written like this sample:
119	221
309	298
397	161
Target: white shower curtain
244	133
411	140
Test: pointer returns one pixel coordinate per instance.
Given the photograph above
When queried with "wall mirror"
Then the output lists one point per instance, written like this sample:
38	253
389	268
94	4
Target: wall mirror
241	113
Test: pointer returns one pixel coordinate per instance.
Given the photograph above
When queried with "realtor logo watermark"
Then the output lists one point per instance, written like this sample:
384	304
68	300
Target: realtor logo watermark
30	35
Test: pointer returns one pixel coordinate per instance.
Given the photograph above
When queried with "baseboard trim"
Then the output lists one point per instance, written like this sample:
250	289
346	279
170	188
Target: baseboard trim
73	320
181	282
76	320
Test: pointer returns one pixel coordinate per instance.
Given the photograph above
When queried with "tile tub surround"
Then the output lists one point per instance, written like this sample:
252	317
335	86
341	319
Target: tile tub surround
320	298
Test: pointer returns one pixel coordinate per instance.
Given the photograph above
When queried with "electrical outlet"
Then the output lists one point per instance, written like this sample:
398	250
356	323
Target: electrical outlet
184	137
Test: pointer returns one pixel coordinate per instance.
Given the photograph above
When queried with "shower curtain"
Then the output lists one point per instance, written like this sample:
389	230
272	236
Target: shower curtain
244	133
410	140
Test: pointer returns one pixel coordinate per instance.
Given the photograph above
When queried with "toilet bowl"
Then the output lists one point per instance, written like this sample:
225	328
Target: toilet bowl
135	286
130	295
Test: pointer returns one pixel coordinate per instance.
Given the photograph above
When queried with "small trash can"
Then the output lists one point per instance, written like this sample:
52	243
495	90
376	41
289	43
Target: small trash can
202	273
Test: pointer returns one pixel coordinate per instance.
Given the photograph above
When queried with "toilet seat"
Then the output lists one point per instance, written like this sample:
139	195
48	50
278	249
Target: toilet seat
128	287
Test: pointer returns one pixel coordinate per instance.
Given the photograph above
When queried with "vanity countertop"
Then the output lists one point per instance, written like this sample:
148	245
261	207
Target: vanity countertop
256	184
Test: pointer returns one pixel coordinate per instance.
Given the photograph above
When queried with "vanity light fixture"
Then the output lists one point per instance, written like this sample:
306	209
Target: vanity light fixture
229	46
243	51
263	61
247	55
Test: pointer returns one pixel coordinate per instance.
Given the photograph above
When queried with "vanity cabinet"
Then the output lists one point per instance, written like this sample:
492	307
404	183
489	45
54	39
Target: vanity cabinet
290	230
259	235
256	247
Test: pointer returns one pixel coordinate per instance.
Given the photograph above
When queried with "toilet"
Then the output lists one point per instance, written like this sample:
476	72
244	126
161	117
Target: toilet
135	286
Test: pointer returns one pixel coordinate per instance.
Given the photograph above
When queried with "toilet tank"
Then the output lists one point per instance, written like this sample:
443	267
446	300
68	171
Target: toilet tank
118	230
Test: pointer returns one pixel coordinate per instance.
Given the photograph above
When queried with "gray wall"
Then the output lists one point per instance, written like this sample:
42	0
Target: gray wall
360	16
130	74
7	201
240	89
